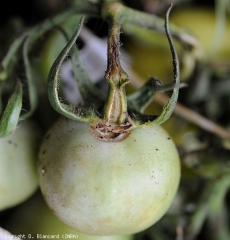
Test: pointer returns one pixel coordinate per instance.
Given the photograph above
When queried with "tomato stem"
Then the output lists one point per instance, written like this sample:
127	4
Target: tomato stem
116	106
115	14
116	124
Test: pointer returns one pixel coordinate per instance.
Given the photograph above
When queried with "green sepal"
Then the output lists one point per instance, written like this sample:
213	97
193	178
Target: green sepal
89	93
10	116
53	85
169	108
32	91
140	99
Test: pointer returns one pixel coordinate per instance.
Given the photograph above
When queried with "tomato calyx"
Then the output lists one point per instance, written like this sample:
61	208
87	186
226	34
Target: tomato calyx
107	132
114	126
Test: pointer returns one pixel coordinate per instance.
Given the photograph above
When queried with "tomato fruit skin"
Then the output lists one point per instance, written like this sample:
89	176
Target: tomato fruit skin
105	188
18	154
201	22
33	218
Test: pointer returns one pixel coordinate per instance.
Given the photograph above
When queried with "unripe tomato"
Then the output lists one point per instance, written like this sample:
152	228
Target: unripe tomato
34	219
202	22
107	188
149	60
50	48
18	152
150	52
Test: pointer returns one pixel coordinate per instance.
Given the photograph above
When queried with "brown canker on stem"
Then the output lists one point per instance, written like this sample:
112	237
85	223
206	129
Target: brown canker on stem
116	125
114	71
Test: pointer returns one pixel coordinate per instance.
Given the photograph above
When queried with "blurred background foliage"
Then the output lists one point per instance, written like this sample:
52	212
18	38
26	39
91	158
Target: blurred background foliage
201	123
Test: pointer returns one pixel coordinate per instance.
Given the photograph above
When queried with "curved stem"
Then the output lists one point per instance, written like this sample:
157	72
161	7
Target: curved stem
37	31
32	91
133	17
116	110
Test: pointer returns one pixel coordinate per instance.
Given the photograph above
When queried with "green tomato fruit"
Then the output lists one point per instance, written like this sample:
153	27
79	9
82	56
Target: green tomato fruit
108	188
50	48
202	22
150	60
18	152
34	220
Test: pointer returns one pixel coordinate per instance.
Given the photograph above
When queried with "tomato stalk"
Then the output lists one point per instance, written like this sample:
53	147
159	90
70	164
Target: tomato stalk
118	15
116	124
86	183
116	107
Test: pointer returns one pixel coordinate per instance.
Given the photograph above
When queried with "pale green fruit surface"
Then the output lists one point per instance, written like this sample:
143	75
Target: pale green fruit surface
34	219
202	22
18	154
105	188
